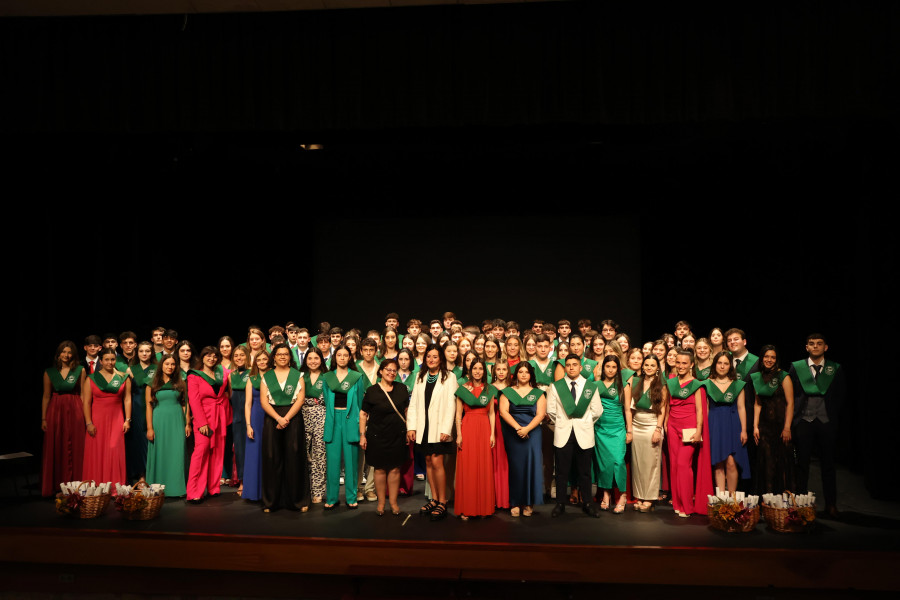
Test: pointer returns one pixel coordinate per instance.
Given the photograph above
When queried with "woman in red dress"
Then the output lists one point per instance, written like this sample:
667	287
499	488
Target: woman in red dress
688	410
106	395
475	421
62	419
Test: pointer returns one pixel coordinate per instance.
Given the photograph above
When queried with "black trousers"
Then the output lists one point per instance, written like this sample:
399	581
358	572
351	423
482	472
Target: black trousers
822	437
567	456
285	469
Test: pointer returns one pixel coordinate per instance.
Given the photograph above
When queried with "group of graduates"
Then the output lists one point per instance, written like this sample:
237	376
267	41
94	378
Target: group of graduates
496	416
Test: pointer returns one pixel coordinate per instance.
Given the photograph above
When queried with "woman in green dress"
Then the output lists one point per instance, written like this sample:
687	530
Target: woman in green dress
166	428
141	371
612	431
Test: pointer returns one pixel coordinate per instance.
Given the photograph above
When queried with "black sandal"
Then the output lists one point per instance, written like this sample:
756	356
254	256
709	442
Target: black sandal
439	512
428	508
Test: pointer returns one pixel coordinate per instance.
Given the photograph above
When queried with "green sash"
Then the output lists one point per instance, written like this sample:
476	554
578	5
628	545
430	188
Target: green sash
140	376
575	410
457	371
67	385
214	383
767	390
487	394
239	379
341	387
626	375
121	363
111	387
254	381
644	402
545	376
410	381
530	398
703	374
313	390
746	365
819	386
587	368
676	391
291	385
605	392
729	396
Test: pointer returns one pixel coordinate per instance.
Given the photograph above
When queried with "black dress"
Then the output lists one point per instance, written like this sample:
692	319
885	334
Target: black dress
385	431
774	459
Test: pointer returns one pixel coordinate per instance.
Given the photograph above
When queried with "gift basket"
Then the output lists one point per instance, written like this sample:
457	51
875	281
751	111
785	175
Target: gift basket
733	512
140	502
82	499
789	513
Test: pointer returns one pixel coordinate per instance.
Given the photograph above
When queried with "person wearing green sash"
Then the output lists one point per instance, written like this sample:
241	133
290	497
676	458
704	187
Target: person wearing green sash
576	348
475	439
727	424
648	400
772	415
285	471
343	392
415	468
704	364
544	369
238	378
62	419
573	406
313	370
688	439
454	360
634	358
256	342
141	372
390	344
612	432
106	395
744	361
127	344
165	399
368	366
209	404
523	407
821	388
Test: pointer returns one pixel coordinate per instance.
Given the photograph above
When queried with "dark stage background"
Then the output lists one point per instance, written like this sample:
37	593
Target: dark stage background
645	163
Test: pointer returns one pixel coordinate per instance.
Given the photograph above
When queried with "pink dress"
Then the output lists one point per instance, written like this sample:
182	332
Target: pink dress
208	407
690	470
104	453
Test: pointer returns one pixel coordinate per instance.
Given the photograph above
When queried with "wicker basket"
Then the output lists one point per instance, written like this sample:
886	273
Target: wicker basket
731	526
90	507
151	508
789	520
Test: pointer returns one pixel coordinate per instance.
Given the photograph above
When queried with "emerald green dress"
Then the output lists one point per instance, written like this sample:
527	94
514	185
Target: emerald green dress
165	454
609	437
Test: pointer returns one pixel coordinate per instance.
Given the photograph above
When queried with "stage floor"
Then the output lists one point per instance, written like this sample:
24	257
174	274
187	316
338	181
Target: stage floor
861	550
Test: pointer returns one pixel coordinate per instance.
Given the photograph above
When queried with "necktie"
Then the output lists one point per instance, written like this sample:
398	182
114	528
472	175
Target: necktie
818	369
737	363
573	392
90	367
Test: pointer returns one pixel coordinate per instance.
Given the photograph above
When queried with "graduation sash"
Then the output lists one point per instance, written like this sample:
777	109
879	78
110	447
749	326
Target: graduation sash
767	390
610	393
410	381
729	396
676	391
215	384
291	385
530	398
341	387
626	375
487	394
587	368
121	364
67	385
644	402
703	374
112	386
746	365
575	410
239	379
254	381
313	390
543	376
819	386
142	376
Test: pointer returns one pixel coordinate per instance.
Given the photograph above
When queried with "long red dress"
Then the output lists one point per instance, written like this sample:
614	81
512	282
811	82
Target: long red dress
104	453
690	466
474	494
63	458
501	463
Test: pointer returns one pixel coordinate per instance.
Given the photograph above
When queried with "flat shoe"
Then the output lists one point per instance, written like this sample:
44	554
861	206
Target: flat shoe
371	497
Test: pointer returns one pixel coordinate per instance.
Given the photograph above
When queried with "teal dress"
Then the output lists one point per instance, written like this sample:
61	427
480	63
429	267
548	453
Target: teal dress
136	438
609	438
165	454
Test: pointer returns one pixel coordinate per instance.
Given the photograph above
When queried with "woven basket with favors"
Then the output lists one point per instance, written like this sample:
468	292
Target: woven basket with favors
140	502
82	499
789	513
733	511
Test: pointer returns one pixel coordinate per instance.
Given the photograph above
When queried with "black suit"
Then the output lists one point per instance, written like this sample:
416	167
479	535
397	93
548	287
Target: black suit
816	434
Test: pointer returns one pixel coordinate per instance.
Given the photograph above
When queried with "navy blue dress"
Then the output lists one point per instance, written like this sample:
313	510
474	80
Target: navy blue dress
253	452
526	478
725	436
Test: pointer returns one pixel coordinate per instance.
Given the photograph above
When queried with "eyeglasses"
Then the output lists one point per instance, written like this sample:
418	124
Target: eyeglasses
389	371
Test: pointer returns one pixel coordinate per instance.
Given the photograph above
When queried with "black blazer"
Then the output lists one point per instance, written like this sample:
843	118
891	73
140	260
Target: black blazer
834	397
